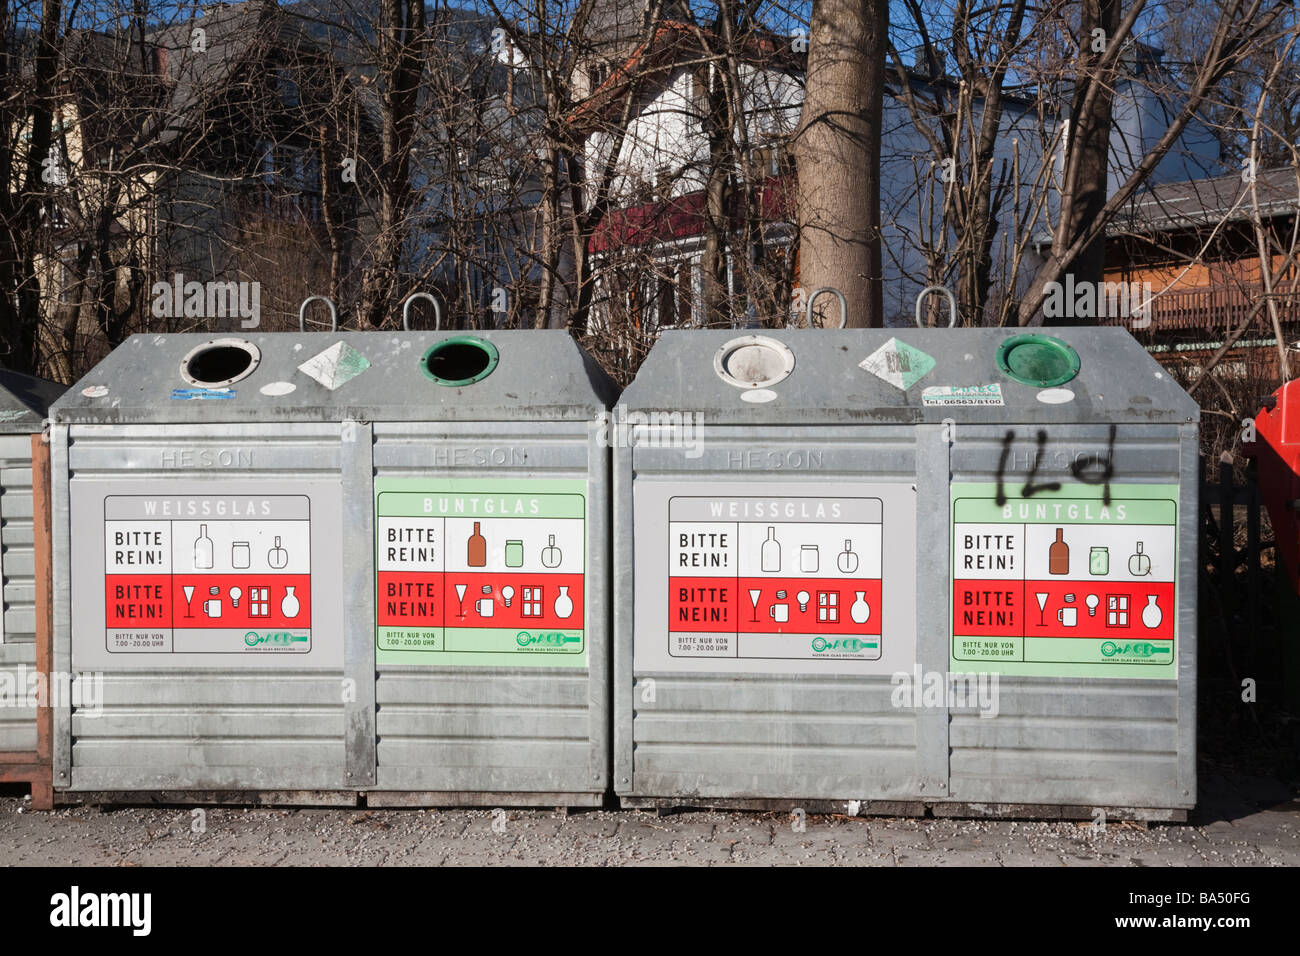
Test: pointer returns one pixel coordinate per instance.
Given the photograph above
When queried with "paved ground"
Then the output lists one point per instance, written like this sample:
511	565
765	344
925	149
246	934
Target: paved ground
1252	821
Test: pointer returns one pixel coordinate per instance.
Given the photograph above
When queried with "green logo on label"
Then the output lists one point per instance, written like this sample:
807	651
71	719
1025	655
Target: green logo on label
280	638
1140	649
851	644
548	638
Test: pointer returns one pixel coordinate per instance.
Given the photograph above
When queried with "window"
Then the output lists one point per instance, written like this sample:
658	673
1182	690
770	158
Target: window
676	294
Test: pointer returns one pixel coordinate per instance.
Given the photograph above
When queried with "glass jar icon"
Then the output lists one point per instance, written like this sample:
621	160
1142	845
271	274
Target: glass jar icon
514	554
1099	561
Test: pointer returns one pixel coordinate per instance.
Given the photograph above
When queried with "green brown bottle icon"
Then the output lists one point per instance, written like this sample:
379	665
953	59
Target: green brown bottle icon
1058	555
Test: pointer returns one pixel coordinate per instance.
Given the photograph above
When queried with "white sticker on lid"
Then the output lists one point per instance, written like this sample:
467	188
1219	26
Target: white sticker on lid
758	396
277	388
1055	396
95	391
336	366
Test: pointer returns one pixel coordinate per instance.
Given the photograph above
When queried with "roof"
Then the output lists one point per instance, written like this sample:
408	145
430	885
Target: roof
684	216
674	43
1195	203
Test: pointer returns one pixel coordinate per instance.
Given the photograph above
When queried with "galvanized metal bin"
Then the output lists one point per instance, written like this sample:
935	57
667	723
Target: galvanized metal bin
23	404
839	576
251	548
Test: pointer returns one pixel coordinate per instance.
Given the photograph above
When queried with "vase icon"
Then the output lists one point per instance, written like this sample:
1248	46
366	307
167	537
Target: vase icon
848	559
563	603
1151	614
289	607
860	610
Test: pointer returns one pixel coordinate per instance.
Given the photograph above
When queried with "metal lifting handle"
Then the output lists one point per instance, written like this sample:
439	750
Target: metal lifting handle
844	305
406	311
952	303
302	313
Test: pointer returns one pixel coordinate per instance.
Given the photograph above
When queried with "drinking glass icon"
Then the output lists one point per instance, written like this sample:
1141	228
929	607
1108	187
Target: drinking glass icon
754	595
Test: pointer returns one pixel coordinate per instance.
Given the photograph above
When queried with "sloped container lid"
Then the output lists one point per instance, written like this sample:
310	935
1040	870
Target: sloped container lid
908	376
510	375
25	401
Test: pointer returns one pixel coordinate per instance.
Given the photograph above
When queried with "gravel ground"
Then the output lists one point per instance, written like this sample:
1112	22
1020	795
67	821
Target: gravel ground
1252	821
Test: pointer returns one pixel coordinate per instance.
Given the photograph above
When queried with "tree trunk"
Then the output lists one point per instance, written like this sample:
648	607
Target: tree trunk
837	152
1088	156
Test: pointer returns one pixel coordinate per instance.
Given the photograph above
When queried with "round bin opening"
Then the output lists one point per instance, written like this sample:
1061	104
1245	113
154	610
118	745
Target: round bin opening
753	361
1038	360
460	361
220	362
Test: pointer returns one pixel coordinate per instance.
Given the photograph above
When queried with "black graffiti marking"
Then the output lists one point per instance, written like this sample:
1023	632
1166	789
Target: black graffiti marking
1107	463
1079	468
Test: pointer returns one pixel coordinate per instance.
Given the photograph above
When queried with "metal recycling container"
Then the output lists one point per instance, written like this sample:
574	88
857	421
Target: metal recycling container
944	567
24	401
324	563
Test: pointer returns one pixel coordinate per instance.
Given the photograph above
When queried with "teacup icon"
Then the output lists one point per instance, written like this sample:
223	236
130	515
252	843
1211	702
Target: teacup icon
484	607
779	613
1069	616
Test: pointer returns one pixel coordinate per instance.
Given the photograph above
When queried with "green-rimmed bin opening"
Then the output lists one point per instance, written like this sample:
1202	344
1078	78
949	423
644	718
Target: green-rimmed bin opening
1038	360
460	360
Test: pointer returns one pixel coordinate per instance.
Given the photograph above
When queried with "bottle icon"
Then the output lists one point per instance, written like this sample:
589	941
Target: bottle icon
1139	565
203	549
476	555
1058	555
277	557
1151	614
289	607
551	555
563	603
848	559
771	553
809	559
860	610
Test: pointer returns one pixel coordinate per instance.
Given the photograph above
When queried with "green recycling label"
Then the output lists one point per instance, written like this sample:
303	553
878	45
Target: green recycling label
480	572
1065	583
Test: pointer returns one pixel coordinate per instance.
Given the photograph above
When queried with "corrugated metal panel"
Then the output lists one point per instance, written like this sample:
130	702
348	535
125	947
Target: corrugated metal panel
17	565
524	729
17	553
724	735
17	724
711	736
1088	742
216	726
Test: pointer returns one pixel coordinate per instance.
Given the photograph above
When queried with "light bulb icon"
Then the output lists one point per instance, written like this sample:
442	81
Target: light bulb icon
1092	601
508	593
235	595
802	598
